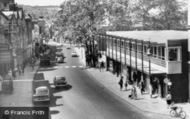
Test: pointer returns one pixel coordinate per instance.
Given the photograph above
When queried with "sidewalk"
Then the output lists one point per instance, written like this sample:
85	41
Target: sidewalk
28	72
144	102
22	89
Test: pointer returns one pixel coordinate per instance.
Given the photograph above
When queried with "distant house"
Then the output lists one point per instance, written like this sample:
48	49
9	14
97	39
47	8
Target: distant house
5	4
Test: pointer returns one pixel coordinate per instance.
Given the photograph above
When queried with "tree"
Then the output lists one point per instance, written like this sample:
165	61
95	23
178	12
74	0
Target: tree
119	14
82	18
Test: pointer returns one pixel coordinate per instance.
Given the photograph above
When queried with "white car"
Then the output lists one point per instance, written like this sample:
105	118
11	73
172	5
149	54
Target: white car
41	94
60	81
74	54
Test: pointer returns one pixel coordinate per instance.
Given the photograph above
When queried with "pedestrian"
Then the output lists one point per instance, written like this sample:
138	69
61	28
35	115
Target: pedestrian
134	77
169	99
19	69
133	92
32	63
126	84
142	86
102	65
23	67
121	82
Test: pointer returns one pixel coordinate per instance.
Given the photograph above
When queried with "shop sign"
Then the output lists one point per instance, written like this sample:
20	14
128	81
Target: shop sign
169	83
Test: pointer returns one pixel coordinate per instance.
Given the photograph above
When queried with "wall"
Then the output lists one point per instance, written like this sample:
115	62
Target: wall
179	88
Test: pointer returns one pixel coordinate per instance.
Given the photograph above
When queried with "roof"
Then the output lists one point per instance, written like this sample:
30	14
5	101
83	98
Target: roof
1	13
158	36
9	14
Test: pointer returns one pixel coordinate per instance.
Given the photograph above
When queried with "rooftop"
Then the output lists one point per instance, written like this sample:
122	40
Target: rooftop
158	36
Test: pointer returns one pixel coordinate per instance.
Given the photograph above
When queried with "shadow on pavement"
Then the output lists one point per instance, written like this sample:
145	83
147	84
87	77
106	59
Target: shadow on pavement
54	112
60	89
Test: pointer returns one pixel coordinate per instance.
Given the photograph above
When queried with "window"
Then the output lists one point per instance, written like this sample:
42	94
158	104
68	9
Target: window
145	49
5	4
115	42
122	44
174	54
163	53
155	51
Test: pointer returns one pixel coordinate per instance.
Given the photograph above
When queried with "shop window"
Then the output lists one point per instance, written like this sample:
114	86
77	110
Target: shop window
115	42
145	49
163	52
155	51
174	54
139	48
122	44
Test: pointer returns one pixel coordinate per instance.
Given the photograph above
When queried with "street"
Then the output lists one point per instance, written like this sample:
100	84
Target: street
85	97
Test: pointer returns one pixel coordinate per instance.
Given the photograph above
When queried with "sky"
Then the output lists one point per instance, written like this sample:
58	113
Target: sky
39	2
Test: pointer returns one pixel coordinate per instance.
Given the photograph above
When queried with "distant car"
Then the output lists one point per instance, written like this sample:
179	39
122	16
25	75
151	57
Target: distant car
68	47
59	54
60	59
74	54
41	94
60	81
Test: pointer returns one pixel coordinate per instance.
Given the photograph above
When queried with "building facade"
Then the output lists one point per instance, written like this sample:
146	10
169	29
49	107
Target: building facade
158	58
16	35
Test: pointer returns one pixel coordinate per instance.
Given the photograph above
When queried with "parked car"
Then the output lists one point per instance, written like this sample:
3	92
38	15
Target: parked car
45	59
60	81
74	54
41	94
60	59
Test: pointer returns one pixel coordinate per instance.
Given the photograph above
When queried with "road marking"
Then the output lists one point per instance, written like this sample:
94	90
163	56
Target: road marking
23	80
67	66
74	66
81	66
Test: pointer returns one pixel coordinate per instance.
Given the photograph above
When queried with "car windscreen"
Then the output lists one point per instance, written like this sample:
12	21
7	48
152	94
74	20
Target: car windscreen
41	92
60	79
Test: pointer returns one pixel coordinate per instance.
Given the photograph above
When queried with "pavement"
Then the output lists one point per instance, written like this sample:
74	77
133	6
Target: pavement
143	102
22	87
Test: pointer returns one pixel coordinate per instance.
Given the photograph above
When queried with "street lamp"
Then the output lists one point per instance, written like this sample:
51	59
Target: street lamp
149	55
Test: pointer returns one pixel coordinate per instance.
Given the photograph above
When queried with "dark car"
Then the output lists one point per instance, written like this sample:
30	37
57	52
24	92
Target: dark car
60	59
44	59
59	54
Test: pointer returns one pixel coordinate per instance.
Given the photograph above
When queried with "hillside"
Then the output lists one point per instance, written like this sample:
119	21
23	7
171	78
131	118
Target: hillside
47	12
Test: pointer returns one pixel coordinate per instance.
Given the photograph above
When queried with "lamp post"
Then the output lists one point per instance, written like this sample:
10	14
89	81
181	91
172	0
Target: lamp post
149	55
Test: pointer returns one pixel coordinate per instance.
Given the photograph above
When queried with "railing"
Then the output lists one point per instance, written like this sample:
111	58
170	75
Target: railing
155	60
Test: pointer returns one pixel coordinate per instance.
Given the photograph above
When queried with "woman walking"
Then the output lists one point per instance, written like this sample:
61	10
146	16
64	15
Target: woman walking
121	82
169	99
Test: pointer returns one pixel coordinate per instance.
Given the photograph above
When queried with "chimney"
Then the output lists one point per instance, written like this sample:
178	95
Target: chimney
12	7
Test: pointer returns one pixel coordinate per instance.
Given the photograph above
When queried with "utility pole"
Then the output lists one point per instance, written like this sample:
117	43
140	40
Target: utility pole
189	42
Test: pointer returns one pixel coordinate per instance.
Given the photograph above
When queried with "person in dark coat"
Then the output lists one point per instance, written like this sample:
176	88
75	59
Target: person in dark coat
134	76
121	82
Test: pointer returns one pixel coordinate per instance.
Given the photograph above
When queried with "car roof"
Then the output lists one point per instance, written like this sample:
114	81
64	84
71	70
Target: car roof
59	77
42	88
